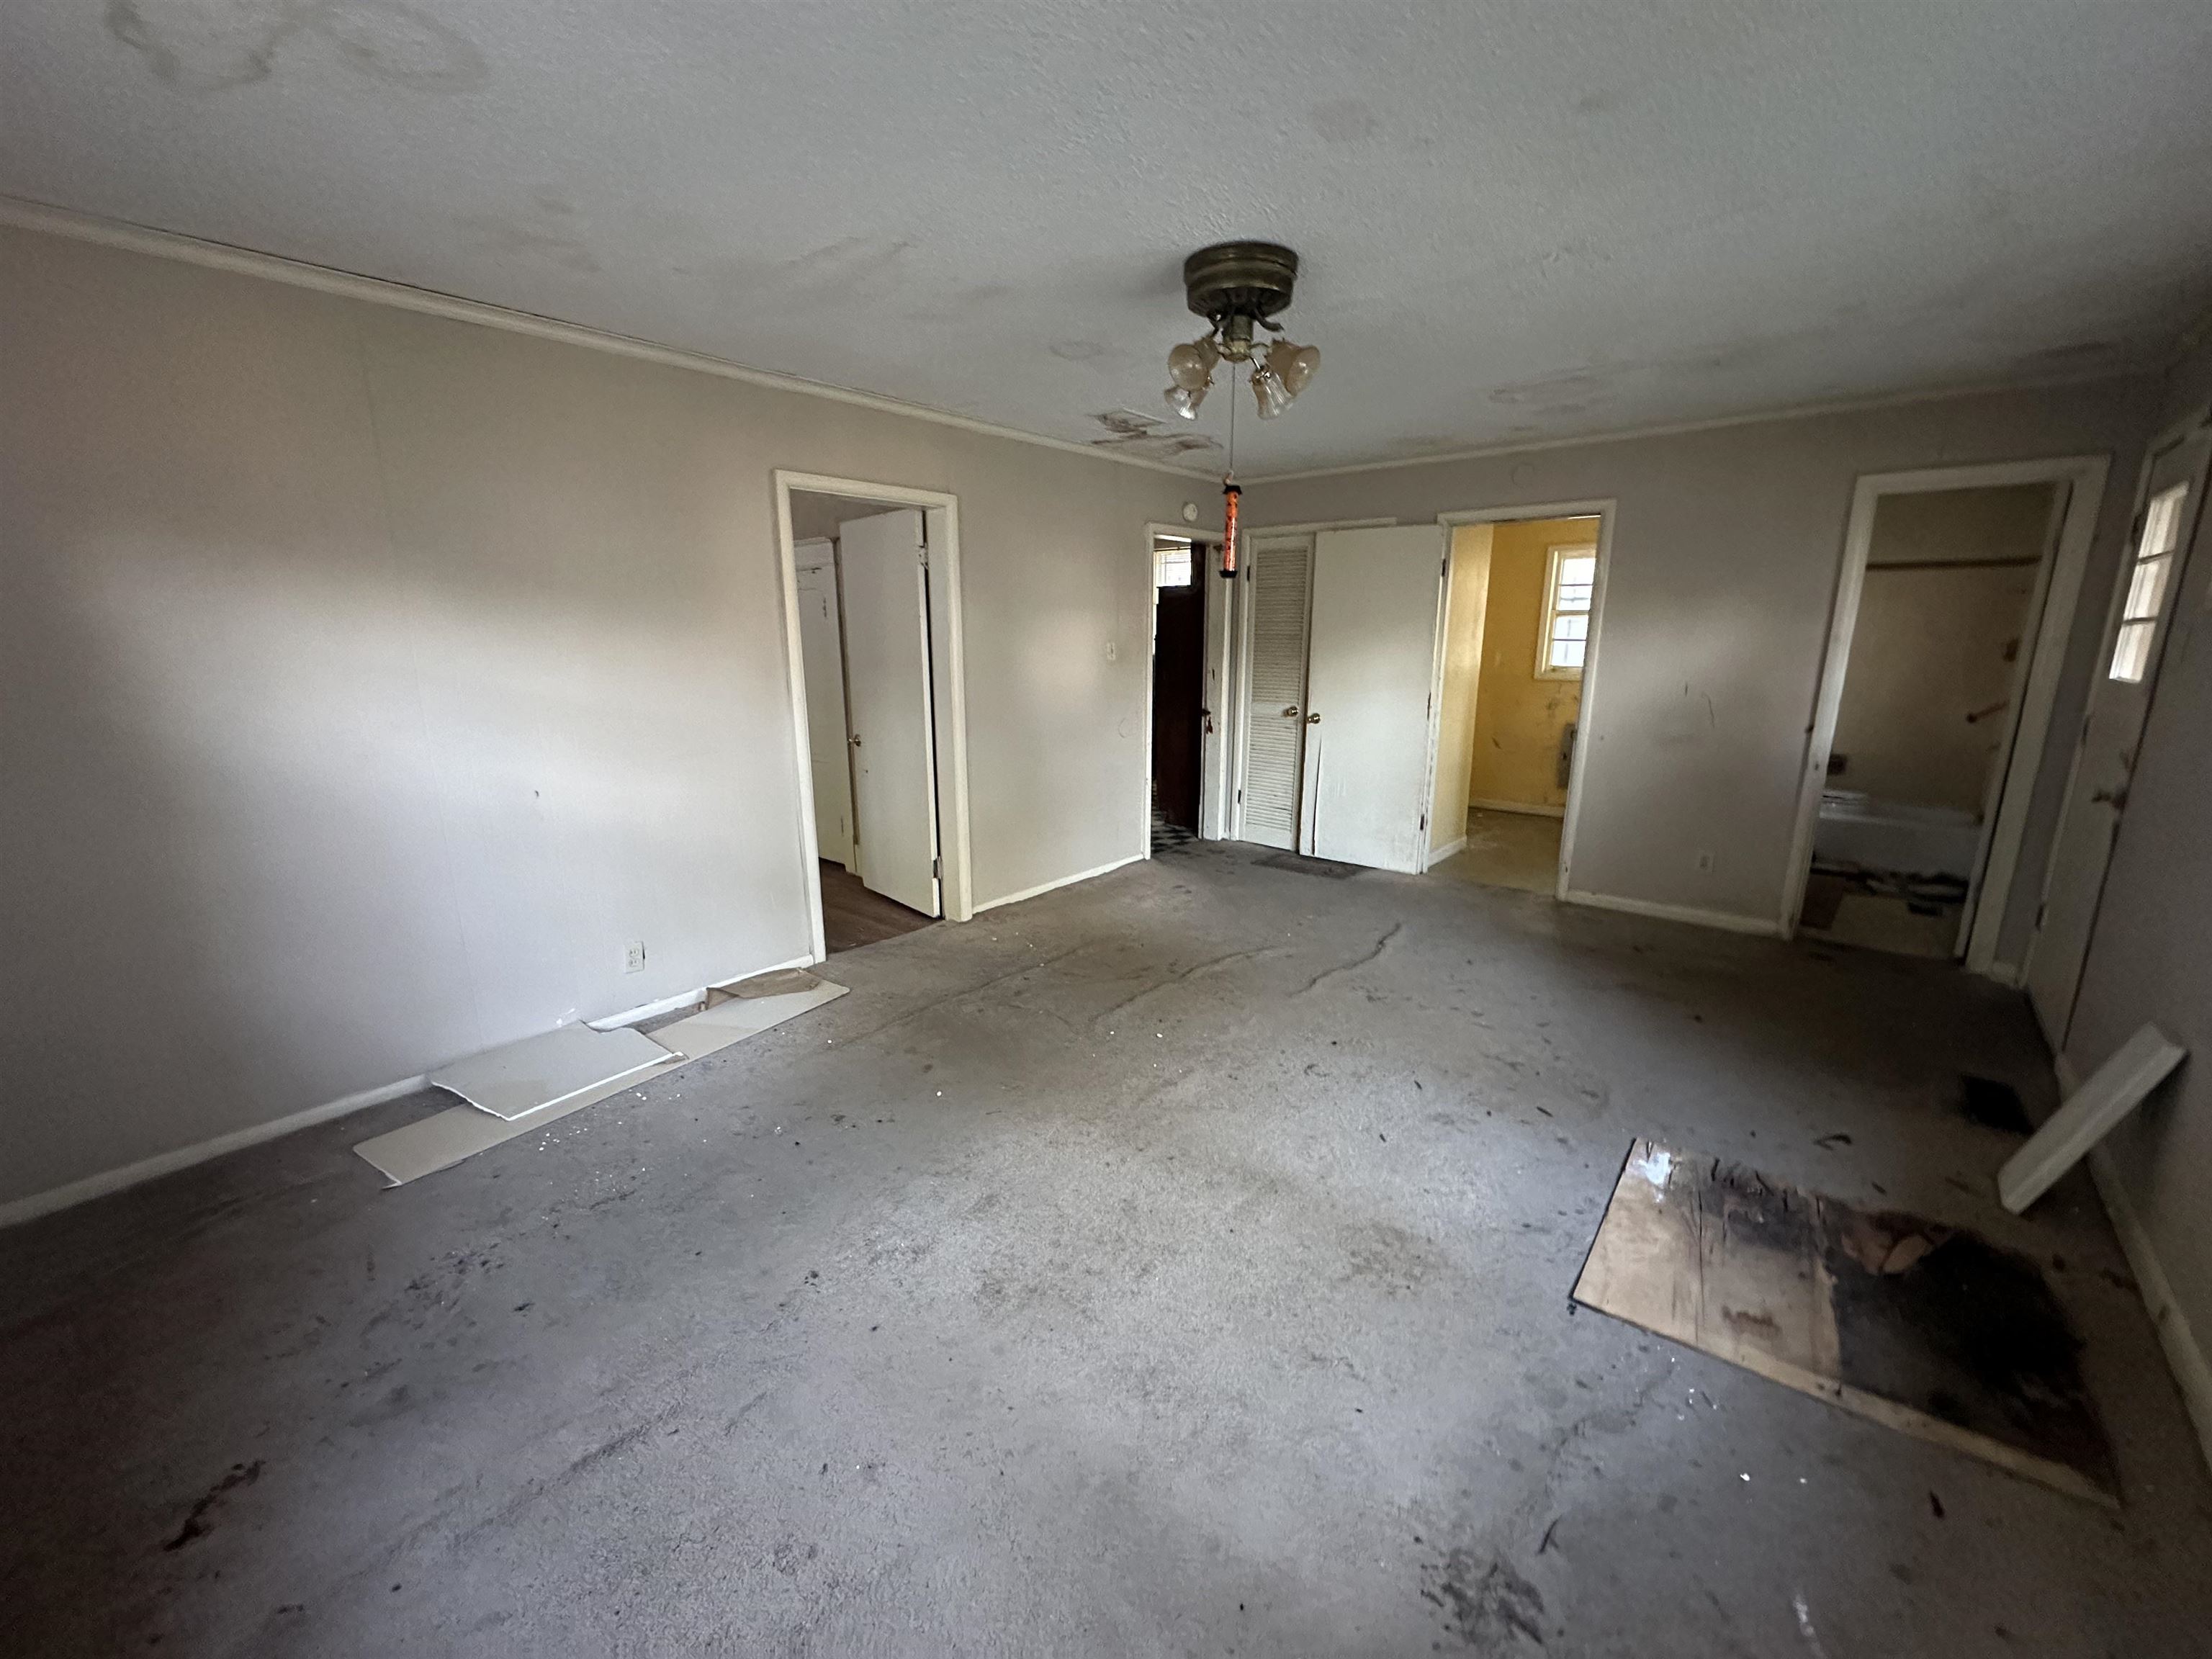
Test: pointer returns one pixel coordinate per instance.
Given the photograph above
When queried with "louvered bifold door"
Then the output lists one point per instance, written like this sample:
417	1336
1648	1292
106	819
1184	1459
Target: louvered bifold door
1279	581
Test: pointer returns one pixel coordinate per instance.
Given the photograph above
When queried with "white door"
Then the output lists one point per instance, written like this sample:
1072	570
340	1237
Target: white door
2119	698
1277	577
821	645
1371	688
886	587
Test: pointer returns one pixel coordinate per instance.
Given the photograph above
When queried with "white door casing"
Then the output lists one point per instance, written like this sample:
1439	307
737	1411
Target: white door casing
887	670
1277	587
821	632
2104	760
1371	692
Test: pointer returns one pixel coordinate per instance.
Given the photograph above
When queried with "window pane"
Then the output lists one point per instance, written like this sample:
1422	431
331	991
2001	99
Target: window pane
1567	653
1171	565
2131	652
1580	568
2148	591
2162	523
1571	627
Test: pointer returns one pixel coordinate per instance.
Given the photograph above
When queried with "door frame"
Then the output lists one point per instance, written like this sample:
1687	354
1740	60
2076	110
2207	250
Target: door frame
2053	603
1604	510
1211	771
2172	436
947	674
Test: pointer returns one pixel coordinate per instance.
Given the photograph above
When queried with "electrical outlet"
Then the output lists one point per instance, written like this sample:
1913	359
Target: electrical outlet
1704	863
634	956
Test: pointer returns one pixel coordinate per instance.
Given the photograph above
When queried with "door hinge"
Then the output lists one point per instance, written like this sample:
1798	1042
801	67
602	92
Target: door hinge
937	869
1425	822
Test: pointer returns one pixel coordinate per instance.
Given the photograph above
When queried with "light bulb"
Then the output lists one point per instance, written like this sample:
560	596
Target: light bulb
1293	365
1268	392
1190	365
1185	402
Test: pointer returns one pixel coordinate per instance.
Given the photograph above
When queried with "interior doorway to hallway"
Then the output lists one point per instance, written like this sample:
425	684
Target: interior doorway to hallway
1520	634
872	586
1183	713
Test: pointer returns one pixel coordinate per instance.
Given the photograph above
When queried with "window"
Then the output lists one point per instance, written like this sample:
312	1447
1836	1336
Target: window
1171	561
2154	568
1565	634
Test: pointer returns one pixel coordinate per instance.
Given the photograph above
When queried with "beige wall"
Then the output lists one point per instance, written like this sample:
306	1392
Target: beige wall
1519	718
1933	658
369	679
2151	957
1467	602
1725	551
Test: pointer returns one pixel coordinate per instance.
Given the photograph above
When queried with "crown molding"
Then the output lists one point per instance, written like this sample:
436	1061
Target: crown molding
23	215
1790	412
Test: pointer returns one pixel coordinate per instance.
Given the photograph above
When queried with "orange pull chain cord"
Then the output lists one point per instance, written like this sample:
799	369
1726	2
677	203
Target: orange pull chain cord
1230	493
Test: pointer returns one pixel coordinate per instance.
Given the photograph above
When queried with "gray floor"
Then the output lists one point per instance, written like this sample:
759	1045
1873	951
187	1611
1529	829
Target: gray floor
1174	1264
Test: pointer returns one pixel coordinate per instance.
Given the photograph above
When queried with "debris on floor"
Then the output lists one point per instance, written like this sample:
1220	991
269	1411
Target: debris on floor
1927	1329
732	1012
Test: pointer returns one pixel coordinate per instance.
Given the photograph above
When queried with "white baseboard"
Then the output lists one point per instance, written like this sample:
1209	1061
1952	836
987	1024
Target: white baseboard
1726	920
686	999
1438	855
2191	1368
161	1164
983	905
1521	806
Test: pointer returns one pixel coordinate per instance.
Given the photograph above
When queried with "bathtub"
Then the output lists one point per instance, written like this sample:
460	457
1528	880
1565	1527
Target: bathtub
1856	828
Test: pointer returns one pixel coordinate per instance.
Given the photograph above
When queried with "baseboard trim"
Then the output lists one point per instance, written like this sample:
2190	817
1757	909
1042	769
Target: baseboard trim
983	905
1726	921
1439	854
149	1169
74	1193
686	999
2192	1370
1521	806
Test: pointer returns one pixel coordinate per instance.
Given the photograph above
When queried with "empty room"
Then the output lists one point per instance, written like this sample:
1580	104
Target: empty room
1115	830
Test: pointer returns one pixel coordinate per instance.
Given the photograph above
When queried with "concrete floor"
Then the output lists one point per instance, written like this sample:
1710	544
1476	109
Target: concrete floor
1174	1264
1520	850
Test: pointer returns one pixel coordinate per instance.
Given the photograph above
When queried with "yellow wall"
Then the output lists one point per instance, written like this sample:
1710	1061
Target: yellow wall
1517	717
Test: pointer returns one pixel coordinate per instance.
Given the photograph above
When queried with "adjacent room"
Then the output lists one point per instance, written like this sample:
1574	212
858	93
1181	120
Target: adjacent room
1348	829
1523	591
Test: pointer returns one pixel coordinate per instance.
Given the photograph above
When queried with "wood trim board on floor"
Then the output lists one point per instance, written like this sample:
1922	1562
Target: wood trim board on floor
443	1139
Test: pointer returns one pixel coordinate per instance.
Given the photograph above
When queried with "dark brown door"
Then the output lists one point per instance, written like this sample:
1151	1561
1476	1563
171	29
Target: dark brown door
1178	715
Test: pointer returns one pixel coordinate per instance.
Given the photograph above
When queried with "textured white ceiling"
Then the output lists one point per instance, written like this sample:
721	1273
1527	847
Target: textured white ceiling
1519	221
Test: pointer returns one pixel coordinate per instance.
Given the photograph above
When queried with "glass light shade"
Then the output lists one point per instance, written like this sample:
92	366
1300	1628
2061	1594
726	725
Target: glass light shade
1268	391
1293	365
1185	401
1190	365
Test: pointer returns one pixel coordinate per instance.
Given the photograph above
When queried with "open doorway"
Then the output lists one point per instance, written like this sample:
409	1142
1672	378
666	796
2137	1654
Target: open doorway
1183	713
1956	599
1519	632
872	575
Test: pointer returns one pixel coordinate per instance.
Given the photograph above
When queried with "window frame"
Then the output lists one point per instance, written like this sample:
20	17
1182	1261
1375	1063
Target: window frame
1548	613
2159	547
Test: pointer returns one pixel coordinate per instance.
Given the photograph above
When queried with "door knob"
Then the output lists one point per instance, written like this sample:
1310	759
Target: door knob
1313	719
2116	798
1292	713
856	742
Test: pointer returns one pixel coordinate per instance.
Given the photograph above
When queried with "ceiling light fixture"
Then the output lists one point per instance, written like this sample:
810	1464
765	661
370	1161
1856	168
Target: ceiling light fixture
1238	286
